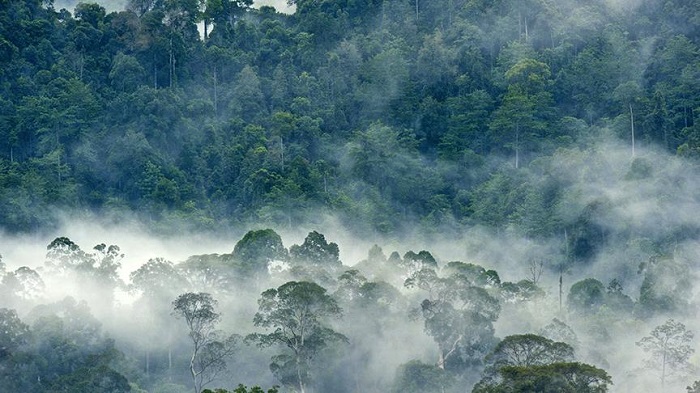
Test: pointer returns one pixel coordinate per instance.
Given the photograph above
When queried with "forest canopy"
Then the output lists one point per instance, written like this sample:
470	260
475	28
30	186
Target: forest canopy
429	196
390	115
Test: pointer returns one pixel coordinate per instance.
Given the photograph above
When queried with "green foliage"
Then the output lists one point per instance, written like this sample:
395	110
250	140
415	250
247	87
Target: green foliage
555	377
586	295
268	116
156	277
416	377
315	251
256	250
297	312
458	315
13	333
63	350
393	117
695	388
242	389
529	350
528	362
666	285
523	290
209	350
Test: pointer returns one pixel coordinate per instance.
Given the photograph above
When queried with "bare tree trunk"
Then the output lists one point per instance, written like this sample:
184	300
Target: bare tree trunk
536	268
632	125
561	270
526	33
663	369
301	381
442	357
194	374
561	289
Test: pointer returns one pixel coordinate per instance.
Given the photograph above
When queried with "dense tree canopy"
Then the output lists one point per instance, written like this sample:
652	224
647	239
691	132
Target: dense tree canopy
368	110
554	141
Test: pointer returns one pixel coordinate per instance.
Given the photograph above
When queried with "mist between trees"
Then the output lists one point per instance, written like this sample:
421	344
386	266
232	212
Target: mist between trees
299	319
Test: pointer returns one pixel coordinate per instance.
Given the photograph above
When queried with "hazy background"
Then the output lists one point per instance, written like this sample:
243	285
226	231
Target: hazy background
118	5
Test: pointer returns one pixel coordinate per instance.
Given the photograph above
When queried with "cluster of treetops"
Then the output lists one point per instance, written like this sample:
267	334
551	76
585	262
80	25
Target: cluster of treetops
214	113
173	340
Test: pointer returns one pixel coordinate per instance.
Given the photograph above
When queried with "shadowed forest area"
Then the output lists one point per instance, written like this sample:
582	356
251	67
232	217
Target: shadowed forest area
362	196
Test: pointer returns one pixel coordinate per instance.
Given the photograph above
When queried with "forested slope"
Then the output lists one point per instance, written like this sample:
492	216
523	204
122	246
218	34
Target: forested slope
382	113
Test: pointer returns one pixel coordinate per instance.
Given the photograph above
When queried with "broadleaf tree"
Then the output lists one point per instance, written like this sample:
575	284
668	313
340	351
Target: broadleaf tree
208	350
297	313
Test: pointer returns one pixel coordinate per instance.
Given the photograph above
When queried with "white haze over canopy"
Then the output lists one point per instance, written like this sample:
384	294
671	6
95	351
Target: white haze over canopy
119	5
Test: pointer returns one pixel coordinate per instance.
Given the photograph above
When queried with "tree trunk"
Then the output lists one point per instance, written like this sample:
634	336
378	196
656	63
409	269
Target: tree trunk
172	63
193	372
663	369
155	72
301	381
632	125
561	270
216	93
526	33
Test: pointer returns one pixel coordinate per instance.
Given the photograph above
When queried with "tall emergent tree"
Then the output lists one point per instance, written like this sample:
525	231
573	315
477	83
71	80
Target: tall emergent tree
458	314
208	351
523	115
669	348
296	312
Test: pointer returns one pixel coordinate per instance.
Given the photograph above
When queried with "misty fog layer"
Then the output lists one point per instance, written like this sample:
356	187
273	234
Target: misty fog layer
638	215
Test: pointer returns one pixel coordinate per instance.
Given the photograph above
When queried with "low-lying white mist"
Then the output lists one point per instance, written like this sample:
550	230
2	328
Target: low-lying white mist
646	198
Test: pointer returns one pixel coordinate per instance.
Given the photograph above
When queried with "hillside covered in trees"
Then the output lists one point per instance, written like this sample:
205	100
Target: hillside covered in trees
386	114
512	185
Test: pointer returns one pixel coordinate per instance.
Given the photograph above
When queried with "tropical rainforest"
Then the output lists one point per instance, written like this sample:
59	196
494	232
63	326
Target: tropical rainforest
485	196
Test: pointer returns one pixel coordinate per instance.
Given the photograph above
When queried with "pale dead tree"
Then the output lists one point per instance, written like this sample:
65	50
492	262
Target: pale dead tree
535	269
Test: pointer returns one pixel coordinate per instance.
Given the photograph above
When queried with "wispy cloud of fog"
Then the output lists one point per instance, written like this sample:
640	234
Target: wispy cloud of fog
120	5
136	242
650	205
